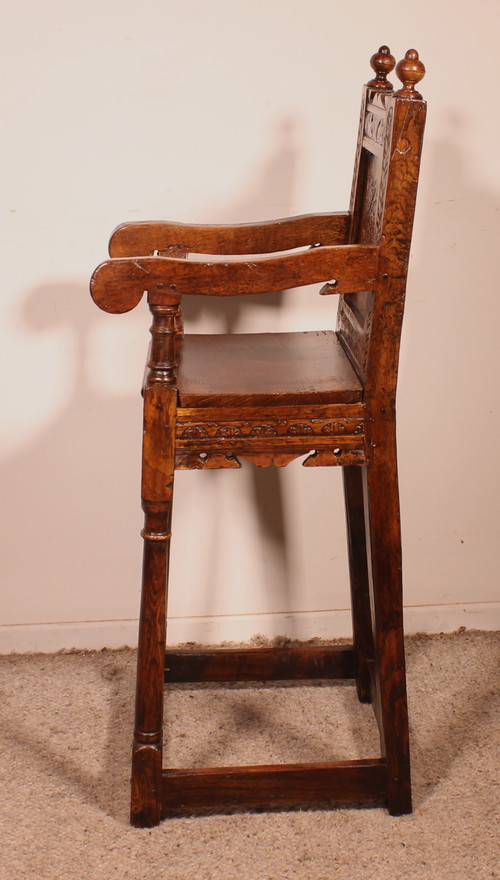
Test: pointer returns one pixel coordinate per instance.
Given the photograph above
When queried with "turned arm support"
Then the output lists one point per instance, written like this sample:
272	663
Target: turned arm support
118	285
147	238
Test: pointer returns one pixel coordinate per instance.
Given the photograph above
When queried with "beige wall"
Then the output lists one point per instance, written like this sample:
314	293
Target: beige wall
213	111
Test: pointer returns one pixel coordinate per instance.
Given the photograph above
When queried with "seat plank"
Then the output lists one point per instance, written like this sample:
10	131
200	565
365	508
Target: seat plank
287	368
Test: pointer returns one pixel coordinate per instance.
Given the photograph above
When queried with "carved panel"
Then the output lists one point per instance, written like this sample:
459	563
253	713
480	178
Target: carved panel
368	227
265	459
374	127
300	429
355	313
374	123
228	431
254	429
194	432
220	443
315	458
377	100
347	426
383	174
335	457
330	434
263	431
185	461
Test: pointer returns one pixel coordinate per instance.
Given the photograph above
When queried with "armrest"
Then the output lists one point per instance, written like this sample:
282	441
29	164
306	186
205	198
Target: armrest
141	239
118	285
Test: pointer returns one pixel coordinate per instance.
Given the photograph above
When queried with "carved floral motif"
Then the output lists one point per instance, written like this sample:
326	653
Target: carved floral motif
263	431
384	173
348	426
228	431
281	428
299	429
194	432
374	127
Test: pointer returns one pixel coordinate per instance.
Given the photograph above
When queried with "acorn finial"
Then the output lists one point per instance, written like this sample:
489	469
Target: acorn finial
382	63
410	71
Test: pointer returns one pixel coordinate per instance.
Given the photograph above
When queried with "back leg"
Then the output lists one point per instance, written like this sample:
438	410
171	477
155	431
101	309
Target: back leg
390	700
358	571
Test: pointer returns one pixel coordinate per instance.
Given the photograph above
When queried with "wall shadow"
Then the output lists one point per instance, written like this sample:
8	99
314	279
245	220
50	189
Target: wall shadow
272	184
87	459
71	470
451	317
449	339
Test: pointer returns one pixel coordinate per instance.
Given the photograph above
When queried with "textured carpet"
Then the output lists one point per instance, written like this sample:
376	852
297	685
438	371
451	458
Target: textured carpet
65	729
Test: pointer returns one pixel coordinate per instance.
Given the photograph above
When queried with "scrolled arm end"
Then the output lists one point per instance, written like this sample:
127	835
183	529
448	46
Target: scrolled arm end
113	291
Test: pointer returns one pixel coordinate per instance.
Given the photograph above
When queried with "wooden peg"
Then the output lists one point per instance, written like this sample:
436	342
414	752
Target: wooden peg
382	63
410	71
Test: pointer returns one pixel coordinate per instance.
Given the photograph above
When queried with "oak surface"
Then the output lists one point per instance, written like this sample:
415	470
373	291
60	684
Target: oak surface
286	369
328	398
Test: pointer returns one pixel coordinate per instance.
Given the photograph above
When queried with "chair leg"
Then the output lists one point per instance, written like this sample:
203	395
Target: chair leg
157	491
389	679
358	571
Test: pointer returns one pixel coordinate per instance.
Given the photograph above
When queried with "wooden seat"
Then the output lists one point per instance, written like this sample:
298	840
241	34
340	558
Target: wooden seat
286	369
326	397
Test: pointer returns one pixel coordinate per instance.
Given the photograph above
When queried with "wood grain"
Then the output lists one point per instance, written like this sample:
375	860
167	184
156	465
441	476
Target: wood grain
329	398
275	785
146	238
259	664
287	369
118	285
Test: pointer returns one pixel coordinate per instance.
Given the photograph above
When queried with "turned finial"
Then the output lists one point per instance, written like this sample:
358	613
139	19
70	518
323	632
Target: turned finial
382	63
410	71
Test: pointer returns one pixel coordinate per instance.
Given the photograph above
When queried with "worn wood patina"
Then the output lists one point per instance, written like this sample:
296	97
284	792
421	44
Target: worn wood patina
328	397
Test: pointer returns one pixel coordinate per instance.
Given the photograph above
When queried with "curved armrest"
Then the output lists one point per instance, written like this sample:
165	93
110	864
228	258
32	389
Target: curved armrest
118	285
146	238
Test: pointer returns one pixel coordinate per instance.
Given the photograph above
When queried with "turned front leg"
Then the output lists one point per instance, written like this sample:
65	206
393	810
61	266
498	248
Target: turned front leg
160	407
158	479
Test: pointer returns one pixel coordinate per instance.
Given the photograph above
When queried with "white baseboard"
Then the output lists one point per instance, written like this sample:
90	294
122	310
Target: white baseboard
94	635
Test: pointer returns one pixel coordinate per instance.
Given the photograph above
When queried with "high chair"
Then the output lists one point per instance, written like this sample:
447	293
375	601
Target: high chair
326	397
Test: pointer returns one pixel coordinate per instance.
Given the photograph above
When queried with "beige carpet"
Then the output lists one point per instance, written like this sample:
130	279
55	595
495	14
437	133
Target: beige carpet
65	729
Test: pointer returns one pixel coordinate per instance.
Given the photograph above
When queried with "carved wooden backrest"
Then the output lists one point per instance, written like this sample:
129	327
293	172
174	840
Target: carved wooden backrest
382	206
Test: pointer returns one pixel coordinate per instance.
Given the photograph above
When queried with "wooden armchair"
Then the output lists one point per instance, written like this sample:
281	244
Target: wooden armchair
270	398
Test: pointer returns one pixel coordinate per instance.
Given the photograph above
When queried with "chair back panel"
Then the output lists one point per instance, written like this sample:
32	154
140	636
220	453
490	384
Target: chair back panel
355	313
382	209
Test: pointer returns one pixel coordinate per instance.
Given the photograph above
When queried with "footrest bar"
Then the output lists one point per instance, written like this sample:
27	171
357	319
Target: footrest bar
274	785
259	664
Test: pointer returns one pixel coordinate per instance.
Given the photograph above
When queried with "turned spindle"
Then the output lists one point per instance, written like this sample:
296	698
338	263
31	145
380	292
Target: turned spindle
410	71
164	330
382	63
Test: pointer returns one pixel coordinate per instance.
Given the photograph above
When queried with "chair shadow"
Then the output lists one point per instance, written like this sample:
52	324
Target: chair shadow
453	715
282	721
272	184
452	705
52	483
92	443
106	788
84	461
458	232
